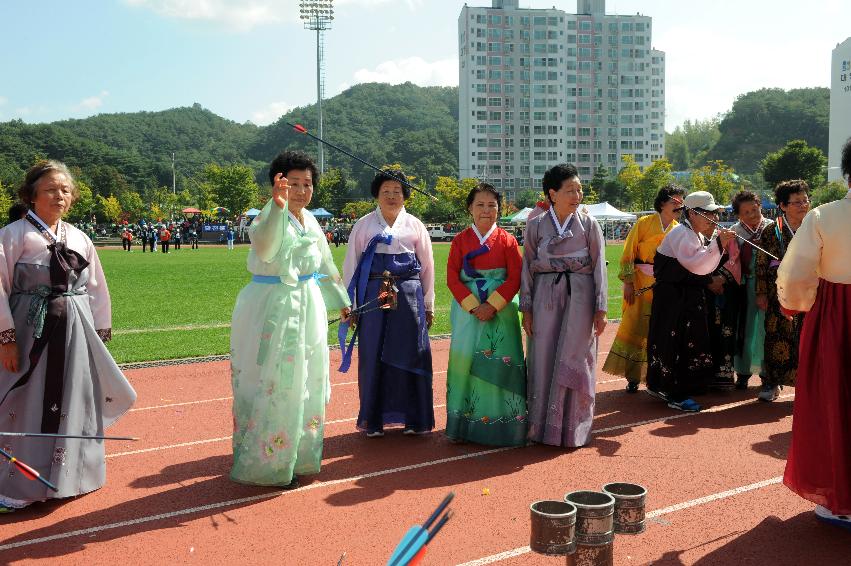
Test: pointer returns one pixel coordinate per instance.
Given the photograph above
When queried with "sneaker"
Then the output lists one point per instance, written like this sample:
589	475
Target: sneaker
4	509
769	393
632	387
687	405
294	484
824	514
375	434
412	432
742	382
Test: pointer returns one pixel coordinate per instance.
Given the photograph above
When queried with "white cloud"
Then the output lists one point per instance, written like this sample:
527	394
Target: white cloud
3	100
92	102
412	4
270	113
417	70
240	15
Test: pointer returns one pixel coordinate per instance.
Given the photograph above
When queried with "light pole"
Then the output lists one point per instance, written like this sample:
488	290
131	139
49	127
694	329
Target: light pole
317	16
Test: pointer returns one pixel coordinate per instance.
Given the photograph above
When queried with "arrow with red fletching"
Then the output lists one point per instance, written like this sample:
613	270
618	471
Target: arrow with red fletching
27	471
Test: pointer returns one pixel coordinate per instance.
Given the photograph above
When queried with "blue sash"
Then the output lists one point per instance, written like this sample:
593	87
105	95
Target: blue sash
357	294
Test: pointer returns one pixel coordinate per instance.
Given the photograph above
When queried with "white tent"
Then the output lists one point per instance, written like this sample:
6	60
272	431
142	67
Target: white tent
521	216
605	211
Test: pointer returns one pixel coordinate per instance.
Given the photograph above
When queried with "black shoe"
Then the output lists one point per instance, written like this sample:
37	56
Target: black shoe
742	381
294	484
632	387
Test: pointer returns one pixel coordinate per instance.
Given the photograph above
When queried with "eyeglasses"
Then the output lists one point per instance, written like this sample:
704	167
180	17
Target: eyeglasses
801	203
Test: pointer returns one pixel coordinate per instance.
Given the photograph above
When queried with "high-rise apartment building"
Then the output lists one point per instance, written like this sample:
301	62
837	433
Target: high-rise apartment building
542	86
840	107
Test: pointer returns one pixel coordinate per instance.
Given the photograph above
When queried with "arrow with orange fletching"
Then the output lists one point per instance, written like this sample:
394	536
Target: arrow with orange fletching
28	472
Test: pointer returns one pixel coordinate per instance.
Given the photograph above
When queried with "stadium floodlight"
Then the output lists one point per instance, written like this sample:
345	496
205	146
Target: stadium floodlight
317	16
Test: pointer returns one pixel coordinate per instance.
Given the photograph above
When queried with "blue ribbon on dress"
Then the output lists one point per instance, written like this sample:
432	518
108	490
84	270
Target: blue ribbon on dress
477	277
357	294
275	279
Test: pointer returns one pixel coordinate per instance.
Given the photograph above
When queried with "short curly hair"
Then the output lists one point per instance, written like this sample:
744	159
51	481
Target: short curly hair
786	189
484	188
666	193
287	161
26	192
846	160
742	197
389	175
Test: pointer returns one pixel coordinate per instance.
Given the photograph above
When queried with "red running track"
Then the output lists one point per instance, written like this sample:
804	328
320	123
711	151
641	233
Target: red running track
713	479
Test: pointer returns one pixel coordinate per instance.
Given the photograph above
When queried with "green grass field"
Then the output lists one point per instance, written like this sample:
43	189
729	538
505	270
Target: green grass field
179	305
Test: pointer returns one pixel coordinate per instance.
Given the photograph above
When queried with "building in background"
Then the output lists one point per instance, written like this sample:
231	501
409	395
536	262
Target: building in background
840	107
542	86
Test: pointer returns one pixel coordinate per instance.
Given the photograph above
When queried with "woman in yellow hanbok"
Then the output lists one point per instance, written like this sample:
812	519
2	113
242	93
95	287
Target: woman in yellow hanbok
628	356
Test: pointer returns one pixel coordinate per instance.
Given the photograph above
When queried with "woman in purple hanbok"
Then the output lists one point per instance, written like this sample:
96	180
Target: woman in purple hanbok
389	254
563	297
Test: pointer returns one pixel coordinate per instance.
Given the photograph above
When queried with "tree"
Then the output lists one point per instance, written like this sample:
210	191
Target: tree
716	178
331	191
796	160
688	145
133	205
591	197
829	192
109	208
233	185
656	176
356	209
6	202
85	205
527	199
163	203
629	177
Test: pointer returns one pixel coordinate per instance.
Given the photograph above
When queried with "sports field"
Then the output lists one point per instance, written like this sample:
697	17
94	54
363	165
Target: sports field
179	305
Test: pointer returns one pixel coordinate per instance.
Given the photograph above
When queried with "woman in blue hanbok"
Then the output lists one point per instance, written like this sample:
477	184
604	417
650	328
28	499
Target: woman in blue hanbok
389	253
279	344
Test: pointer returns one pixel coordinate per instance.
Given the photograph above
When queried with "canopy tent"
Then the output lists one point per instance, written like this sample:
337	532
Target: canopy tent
521	216
605	211
321	213
190	210
252	212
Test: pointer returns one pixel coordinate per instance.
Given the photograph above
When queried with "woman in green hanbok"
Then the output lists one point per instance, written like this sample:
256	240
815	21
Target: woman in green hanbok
279	345
486	379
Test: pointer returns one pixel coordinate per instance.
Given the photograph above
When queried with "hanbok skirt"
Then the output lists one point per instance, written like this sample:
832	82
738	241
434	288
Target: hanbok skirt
628	354
95	394
394	353
751	334
818	467
486	378
280	379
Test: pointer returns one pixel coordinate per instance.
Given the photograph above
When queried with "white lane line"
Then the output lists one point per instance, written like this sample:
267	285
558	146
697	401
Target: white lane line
210	440
120	332
611	380
229	398
657	513
180	404
191	510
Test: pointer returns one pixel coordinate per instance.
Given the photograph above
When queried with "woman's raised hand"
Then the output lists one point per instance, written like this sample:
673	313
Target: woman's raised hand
280	190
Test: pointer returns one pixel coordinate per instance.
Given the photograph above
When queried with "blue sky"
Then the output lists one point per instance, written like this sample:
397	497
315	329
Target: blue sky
252	59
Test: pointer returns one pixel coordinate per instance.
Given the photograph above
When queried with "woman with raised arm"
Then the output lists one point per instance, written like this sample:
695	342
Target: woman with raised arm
279	343
57	376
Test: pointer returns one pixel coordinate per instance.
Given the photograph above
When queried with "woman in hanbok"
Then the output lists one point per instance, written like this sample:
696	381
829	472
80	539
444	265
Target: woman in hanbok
486	378
279	344
628	355
389	271
57	375
815	277
563	298
782	334
751	327
679	346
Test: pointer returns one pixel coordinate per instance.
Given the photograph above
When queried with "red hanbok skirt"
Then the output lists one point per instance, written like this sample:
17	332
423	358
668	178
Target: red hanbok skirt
819	463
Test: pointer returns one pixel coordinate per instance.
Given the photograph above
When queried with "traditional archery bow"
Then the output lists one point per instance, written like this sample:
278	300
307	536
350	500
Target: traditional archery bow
302	130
